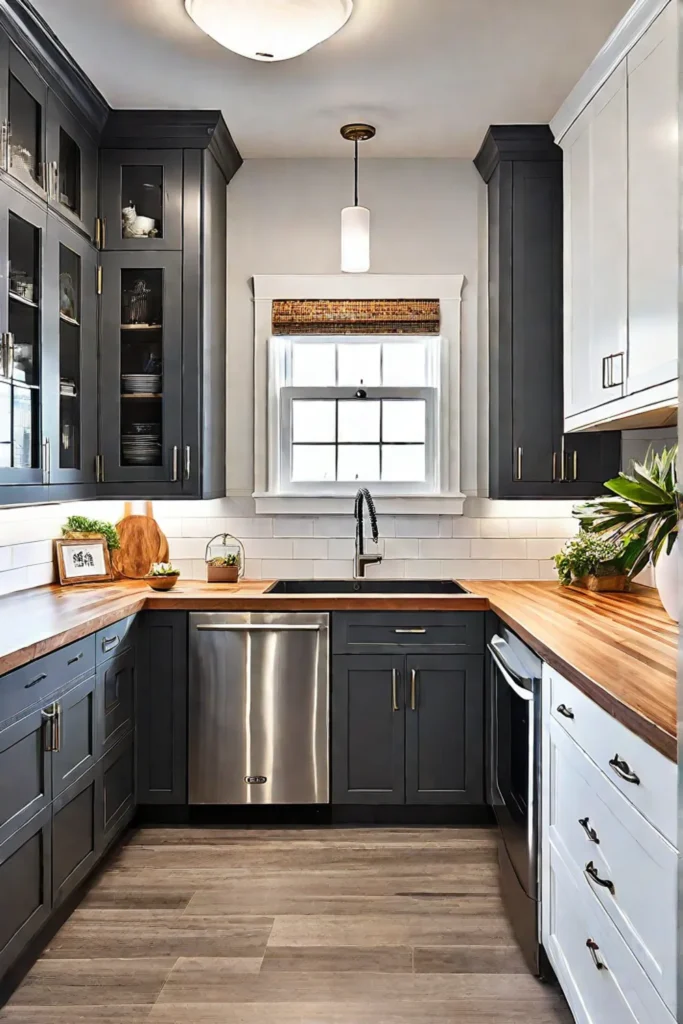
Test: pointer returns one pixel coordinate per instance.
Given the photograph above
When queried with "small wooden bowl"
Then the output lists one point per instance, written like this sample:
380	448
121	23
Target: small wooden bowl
162	582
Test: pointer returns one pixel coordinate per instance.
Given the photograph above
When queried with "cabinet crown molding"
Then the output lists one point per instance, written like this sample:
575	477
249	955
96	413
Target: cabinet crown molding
515	142
632	26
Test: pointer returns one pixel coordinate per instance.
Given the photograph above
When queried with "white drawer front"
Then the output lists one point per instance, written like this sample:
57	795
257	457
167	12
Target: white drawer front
604	740
619	993
608	841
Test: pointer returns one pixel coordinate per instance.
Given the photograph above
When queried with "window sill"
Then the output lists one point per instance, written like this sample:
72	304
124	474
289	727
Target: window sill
342	504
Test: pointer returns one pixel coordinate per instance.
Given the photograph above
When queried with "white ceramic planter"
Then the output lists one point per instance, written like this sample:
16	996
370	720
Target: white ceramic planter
666	578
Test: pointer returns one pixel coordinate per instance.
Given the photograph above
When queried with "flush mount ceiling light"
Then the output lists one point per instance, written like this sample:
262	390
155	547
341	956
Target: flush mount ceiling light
355	220
269	30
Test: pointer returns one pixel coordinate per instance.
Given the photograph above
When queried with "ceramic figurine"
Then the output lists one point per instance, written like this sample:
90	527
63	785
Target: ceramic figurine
135	226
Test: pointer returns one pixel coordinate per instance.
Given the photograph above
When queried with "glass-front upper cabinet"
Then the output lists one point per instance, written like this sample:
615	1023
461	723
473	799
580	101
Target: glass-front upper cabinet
141	199
71	168
23	448
70	357
141	368
23	99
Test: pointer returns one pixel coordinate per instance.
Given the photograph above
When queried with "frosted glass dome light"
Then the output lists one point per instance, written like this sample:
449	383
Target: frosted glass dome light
269	30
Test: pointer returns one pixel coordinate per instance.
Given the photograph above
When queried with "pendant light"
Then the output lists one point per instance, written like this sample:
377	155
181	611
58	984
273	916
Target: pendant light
355	220
269	30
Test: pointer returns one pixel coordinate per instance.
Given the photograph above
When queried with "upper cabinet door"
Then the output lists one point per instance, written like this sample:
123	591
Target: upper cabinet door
653	205
596	250
141	199
24	127
141	368
71	159
23	375
70	316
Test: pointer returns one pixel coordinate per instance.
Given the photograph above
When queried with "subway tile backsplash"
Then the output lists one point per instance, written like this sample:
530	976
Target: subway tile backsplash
493	540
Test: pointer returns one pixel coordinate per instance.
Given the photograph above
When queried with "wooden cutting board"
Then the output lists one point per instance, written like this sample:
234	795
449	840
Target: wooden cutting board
142	543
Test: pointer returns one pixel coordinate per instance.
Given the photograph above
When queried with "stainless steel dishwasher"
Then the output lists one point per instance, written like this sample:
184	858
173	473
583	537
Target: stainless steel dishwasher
259	708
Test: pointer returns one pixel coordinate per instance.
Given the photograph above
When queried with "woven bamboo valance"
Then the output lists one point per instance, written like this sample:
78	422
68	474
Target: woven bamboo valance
356	316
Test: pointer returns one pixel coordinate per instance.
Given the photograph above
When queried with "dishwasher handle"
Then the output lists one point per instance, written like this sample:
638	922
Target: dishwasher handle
258	627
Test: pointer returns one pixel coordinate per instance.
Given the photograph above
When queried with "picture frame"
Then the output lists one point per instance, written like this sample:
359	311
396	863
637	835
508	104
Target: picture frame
83	561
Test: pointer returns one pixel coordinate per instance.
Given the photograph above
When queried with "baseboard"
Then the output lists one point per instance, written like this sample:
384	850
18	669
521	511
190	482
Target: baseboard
311	816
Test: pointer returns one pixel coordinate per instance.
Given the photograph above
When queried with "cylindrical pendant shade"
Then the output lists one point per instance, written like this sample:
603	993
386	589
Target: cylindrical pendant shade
355	240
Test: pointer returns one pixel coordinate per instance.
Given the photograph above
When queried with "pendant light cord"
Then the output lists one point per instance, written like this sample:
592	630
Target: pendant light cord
355	192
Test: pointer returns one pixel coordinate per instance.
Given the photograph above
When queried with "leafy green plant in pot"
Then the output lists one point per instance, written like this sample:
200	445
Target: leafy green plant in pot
80	528
591	561
643	515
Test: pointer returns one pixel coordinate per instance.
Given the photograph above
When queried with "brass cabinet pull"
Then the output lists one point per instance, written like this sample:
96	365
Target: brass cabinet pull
592	873
413	689
49	714
554	466
594	950
410	631
98	233
623	770
188	461
174	464
575	465
519	454
590	832
562	709
394	690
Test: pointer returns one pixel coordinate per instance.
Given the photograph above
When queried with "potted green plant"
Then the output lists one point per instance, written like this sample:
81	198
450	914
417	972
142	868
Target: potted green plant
162	576
643	513
223	569
594	562
83	528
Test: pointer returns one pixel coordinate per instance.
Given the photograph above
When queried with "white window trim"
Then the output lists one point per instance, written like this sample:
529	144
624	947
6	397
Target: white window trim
447	289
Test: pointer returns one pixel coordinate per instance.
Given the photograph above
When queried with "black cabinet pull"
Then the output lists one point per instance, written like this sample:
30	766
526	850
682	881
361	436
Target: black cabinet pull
72	661
110	642
623	770
590	832
594	949
562	709
592	873
38	679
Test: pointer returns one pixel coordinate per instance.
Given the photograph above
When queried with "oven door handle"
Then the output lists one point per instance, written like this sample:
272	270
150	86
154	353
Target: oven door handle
505	671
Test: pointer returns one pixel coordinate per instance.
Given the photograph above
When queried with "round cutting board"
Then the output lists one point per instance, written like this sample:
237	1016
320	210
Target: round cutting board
142	544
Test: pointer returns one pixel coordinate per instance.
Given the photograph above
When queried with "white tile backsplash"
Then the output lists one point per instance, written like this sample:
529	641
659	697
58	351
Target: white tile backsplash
493	540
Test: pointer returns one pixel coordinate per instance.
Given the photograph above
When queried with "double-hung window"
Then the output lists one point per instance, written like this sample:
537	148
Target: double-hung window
351	410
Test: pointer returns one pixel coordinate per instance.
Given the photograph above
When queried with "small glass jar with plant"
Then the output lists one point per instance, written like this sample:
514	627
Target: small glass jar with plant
224	559
162	576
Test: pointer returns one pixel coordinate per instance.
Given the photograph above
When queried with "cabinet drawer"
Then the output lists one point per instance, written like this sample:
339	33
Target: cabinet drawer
114	639
32	683
604	835
393	632
620	754
25	893
581	937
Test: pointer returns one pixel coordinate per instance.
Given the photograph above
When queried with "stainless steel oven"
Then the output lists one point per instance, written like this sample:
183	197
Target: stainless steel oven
515	747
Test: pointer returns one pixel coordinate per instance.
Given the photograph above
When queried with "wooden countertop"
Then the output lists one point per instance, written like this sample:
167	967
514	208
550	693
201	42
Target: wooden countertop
620	649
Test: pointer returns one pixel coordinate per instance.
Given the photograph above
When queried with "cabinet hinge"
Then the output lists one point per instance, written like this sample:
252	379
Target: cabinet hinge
99	280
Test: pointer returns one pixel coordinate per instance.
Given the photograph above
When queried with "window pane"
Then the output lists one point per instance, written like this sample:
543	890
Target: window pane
313	365
404	420
358	462
313	421
359	421
403	462
358	364
313	462
403	364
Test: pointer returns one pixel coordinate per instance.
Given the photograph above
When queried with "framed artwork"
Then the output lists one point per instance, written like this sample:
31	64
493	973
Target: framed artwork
83	561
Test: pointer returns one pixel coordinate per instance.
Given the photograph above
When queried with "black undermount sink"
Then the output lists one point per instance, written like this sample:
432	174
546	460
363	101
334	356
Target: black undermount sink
364	586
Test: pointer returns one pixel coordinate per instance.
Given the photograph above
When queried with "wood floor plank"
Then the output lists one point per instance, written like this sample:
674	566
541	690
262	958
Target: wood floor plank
469	960
112	1014
361	837
478	928
94	982
383	959
276	905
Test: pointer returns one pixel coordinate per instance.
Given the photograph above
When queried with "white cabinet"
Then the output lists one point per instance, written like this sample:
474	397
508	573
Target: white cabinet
619	133
609	872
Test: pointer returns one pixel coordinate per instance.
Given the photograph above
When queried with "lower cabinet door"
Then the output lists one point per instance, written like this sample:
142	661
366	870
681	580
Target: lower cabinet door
75	741
118	782
25	886
25	778
444	701
76	833
116	698
368	723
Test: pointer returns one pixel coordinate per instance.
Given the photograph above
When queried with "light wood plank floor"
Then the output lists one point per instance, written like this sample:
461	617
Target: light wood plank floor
339	926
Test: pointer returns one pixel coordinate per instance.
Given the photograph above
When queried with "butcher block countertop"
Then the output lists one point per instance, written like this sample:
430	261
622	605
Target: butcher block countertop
619	649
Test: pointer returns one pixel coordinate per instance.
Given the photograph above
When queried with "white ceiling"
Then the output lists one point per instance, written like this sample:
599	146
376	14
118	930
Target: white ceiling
430	74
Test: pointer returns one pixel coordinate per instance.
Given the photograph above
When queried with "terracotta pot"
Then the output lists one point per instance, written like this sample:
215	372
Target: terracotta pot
666	578
162	582
604	584
222	573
